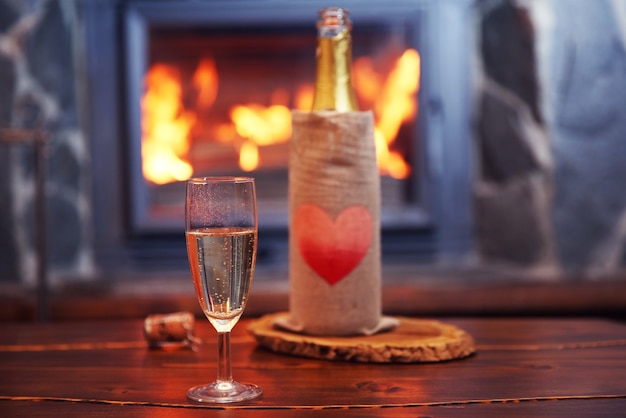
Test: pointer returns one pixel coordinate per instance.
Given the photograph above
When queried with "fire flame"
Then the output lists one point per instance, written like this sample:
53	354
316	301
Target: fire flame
165	127
205	80
166	124
393	102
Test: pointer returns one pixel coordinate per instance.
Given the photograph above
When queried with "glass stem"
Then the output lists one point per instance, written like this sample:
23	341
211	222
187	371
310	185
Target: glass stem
224	372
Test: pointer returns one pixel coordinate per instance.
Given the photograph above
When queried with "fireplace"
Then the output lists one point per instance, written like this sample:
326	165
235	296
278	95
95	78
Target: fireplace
188	77
217	100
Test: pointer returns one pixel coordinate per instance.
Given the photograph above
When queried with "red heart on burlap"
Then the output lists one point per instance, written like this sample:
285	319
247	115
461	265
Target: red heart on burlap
333	248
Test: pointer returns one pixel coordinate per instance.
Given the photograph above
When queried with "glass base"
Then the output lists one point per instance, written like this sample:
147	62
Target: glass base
224	392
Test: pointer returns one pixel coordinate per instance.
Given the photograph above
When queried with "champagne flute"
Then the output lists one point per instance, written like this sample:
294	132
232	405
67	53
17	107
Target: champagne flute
221	228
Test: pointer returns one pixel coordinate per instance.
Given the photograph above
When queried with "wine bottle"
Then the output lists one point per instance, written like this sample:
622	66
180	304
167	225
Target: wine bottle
333	83
334	202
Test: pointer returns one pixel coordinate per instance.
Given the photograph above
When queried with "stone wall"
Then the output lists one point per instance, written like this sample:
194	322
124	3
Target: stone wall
514	186
39	89
585	61
550	136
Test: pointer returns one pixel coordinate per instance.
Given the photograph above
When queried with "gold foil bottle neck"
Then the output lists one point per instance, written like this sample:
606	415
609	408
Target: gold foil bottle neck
333	84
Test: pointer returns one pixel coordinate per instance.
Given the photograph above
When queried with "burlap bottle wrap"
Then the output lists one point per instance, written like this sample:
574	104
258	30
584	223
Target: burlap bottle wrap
334	226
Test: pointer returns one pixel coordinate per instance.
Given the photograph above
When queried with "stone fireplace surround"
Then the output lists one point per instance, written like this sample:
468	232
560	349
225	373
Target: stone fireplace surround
549	141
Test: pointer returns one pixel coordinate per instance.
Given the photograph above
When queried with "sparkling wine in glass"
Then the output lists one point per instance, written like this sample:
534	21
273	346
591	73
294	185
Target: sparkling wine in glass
221	228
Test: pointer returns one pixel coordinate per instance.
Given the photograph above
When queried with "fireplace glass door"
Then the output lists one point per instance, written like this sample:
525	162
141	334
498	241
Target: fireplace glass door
216	99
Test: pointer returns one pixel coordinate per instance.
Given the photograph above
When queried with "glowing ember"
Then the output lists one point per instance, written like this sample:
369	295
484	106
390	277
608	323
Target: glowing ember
304	96
248	156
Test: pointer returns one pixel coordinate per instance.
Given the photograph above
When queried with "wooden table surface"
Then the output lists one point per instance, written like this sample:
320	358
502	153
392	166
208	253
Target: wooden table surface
522	367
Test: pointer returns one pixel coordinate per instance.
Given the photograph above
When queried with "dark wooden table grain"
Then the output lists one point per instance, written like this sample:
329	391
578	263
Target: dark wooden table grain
523	367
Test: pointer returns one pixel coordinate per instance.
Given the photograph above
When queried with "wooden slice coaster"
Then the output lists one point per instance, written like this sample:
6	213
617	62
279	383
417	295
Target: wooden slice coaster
412	341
